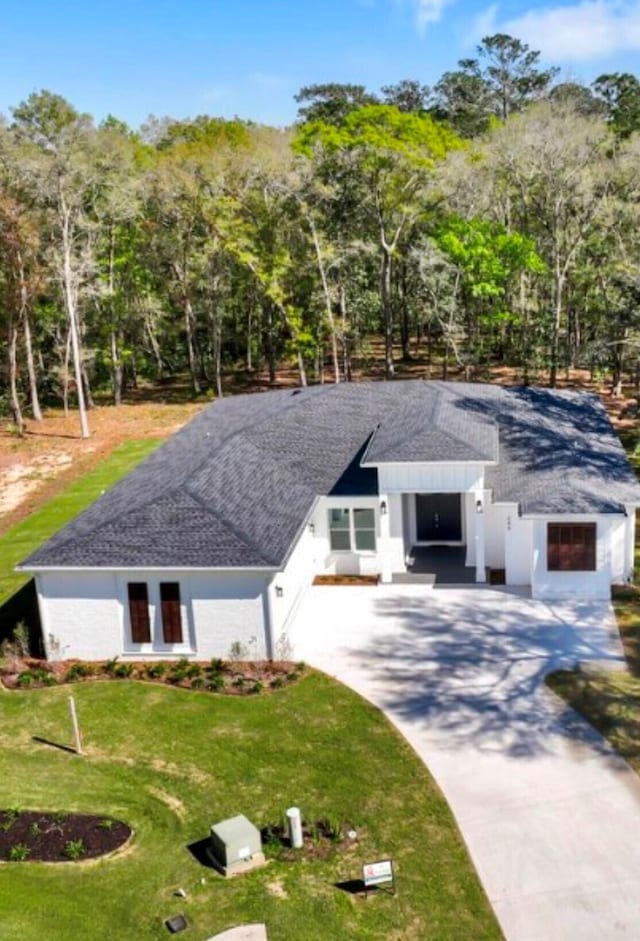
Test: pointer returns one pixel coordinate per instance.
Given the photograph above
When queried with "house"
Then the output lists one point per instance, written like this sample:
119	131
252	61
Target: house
213	539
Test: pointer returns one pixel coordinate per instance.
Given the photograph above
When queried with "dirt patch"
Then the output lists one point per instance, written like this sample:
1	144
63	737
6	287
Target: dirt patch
174	804
51	454
277	889
18	481
27	836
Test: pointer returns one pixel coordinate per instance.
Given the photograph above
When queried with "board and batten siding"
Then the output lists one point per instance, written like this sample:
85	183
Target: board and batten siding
453	477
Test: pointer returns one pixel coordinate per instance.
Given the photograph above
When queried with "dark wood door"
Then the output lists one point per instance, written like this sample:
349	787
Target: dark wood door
438	517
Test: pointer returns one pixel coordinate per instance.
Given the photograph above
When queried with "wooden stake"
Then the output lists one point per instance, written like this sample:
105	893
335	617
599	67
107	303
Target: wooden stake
76	727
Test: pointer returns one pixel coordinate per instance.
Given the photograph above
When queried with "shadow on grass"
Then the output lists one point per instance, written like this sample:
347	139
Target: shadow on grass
626	603
609	701
351	886
199	852
58	745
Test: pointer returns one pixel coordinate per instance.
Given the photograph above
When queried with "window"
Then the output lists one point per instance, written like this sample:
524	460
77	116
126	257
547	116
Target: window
364	529
352	530
139	612
571	548
171	613
339	530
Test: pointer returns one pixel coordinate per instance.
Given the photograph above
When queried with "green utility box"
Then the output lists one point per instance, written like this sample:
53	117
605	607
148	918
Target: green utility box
236	845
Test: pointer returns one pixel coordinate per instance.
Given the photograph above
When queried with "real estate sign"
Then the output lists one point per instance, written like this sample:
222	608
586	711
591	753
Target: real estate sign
378	873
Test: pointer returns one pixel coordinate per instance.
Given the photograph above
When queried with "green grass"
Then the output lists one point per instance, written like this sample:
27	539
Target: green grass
22	539
171	762
610	699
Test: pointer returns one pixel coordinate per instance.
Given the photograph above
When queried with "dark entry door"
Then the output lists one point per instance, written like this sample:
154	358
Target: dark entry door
438	517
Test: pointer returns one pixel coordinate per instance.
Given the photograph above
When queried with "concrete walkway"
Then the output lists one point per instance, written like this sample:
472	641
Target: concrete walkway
551	816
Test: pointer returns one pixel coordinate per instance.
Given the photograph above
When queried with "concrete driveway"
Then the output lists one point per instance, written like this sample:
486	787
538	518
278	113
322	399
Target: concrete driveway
550	815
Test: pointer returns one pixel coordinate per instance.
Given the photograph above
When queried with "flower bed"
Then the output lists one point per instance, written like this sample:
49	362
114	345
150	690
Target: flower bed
320	838
366	580
34	836
233	677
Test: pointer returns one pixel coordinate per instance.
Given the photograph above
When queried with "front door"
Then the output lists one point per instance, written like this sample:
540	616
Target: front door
438	517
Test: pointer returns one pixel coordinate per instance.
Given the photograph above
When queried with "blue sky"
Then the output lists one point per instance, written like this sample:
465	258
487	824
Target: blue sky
249	57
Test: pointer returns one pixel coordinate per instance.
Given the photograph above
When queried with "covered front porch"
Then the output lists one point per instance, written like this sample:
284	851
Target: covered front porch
433	537
437	566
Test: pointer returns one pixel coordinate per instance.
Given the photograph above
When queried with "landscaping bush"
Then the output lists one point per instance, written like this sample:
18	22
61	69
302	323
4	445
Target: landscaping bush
156	670
220	676
79	671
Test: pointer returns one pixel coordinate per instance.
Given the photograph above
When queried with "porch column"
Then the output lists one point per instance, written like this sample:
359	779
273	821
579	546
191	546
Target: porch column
481	573
384	548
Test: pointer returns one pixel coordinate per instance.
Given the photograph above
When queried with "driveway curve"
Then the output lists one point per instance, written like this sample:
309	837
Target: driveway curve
549	813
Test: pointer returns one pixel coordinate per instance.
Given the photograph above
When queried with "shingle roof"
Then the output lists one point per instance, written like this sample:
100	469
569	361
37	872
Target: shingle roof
429	427
234	487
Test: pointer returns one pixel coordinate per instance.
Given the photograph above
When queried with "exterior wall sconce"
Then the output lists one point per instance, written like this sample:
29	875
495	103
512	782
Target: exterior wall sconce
479	507
279	591
383	508
312	528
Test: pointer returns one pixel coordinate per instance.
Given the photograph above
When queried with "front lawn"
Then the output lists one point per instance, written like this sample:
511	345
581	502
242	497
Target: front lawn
22	539
171	762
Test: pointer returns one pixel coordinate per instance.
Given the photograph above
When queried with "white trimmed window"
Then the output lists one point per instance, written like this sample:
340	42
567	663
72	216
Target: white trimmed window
352	530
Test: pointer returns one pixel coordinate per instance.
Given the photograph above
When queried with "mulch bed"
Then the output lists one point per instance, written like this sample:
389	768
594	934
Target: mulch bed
33	836
346	580
230	677
319	840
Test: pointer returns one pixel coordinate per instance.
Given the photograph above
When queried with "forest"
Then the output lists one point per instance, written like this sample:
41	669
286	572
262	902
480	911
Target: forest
490	219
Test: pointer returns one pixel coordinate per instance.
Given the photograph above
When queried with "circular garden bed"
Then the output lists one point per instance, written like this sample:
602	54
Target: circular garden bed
234	677
36	836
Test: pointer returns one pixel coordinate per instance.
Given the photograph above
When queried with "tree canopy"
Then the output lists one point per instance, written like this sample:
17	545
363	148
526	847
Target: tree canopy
491	219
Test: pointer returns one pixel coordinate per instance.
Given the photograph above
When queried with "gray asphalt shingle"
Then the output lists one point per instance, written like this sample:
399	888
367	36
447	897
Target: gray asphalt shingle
234	487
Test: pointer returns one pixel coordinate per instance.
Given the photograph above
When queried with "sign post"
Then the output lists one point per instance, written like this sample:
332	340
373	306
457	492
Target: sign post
378	874
76	727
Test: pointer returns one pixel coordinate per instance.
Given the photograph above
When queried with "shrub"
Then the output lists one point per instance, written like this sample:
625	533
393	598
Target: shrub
34	829
277	683
49	679
9	820
74	849
25	678
21	638
123	671
18	853
238	682
333	827
59	817
216	682
238	651
193	670
156	670
197	682
293	676
78	671
106	823
216	666
110	666
257	687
